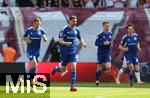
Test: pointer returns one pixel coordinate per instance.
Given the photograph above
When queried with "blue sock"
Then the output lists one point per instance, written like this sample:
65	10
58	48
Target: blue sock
98	73
73	78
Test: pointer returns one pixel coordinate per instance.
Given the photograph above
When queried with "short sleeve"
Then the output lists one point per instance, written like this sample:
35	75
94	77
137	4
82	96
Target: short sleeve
78	34
61	34
123	41
138	38
43	32
26	33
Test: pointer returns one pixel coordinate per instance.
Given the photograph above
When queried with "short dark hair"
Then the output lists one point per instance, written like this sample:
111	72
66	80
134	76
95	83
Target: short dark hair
130	25
104	22
36	19
72	17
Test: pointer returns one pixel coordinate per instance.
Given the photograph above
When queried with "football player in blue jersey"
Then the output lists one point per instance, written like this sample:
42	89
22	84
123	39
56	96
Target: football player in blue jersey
104	43
130	45
32	37
68	49
124	69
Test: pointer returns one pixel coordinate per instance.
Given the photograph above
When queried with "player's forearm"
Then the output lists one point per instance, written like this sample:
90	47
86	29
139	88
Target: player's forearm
123	48
45	38
25	39
82	42
65	43
138	47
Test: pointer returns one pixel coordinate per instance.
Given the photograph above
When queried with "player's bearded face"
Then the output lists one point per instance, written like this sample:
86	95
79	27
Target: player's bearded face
73	22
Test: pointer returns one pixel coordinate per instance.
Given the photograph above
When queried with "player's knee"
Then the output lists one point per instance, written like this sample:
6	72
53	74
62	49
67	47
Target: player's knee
131	68
34	62
108	66
63	69
137	68
99	66
73	66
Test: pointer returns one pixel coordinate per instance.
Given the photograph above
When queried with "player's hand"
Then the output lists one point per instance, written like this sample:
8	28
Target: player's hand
28	41
139	49
126	49
68	43
84	45
106	43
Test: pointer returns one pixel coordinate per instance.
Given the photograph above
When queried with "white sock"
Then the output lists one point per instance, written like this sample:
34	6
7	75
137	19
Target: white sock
119	74
137	75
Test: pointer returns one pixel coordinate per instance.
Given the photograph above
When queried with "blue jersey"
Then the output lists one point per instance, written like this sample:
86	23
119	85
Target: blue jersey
35	37
101	38
131	42
69	34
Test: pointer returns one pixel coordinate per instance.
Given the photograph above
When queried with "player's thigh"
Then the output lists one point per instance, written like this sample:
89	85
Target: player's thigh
30	55
32	58
73	65
136	63
128	60
137	68
99	65
100	60
107	61
108	65
131	67
63	68
64	59
73	58
37	56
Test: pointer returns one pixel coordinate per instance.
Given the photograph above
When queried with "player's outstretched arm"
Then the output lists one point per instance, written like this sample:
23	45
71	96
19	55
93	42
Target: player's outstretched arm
65	43
45	38
139	47
82	42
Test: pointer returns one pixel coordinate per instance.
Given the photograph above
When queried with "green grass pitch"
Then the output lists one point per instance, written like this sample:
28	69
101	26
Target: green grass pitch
85	90
3	93
105	90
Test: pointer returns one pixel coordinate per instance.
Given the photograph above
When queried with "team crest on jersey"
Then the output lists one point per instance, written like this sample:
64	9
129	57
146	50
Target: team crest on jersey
135	38
109	36
39	33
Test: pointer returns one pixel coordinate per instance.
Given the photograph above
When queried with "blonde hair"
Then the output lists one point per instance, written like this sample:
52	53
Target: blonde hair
37	19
